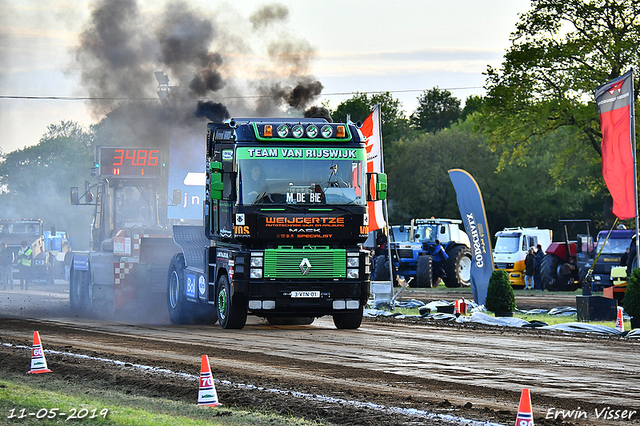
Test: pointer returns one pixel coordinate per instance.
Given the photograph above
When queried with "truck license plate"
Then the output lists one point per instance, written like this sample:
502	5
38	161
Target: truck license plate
305	294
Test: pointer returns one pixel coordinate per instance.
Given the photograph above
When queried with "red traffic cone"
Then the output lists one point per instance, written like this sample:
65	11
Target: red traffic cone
207	392
620	321
463	307
456	309
525	414
38	362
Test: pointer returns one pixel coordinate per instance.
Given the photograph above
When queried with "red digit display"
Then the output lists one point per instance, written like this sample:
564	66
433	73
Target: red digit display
129	162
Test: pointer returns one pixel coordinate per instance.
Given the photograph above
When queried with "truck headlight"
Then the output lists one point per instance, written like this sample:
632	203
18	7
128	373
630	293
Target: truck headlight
353	273
255	273
353	262
256	262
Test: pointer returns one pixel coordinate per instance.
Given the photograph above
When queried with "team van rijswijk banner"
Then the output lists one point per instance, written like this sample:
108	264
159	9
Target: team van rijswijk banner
474	217
615	105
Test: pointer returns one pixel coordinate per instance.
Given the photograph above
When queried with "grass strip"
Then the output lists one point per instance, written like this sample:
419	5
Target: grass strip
48	398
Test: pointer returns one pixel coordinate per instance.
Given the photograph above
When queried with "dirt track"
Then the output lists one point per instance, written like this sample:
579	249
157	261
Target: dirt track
465	371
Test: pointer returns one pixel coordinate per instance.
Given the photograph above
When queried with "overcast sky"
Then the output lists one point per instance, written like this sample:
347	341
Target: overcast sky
404	47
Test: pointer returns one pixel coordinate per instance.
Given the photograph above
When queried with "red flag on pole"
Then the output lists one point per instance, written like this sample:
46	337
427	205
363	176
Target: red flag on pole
615	103
371	131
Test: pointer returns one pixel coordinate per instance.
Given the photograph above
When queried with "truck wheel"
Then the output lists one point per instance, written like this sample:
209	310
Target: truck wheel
554	275
458	267
381	268
290	320
424	272
349	321
232	311
179	313
79	297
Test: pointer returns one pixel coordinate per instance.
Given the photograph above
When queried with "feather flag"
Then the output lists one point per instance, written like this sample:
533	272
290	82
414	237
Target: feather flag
615	103
371	131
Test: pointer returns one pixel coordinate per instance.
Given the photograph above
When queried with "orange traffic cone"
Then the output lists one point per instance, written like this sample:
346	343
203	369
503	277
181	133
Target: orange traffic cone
525	414
38	362
620	321
456	309
207	393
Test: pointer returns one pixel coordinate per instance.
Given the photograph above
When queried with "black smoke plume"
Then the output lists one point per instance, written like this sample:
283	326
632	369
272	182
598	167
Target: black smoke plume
212	111
318	112
120	49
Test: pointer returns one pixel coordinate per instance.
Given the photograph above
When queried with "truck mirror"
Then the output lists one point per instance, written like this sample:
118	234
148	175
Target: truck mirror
73	193
176	196
377	186
53	231
443	229
382	186
88	197
216	186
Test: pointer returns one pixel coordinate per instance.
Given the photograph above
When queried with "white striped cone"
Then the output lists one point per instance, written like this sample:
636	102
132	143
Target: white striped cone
38	362
620	321
207	394
525	412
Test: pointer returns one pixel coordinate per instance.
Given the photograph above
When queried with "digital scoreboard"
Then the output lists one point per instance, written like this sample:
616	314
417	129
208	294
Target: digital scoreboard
129	162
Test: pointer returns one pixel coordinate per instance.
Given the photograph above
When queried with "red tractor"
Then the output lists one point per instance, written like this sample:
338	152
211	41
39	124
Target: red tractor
562	264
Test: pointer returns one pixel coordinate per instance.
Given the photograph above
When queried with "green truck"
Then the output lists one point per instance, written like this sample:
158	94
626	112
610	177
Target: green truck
285	215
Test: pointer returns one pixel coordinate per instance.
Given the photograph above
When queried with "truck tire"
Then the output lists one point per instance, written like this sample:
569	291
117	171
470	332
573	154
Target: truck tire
232	311
79	296
179	312
350	321
381	268
424	272
555	275
458	267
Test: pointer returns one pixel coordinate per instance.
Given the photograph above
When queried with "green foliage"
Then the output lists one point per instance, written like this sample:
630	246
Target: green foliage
471	105
35	180
632	295
358	108
561	50
500	297
437	110
526	193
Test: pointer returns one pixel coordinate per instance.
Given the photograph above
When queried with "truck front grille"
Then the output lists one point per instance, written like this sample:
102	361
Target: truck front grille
289	263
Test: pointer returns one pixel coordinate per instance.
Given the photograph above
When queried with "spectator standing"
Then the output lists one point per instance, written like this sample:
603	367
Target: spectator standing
68	257
438	257
537	265
6	261
25	255
529	269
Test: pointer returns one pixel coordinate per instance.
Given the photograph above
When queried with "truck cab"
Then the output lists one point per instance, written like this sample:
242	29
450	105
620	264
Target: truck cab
285	215
131	240
511	249
14	231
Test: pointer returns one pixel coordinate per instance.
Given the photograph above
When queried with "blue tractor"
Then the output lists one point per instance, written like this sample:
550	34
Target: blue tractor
412	255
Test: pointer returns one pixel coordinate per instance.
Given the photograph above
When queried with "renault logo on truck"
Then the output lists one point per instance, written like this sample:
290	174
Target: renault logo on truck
305	266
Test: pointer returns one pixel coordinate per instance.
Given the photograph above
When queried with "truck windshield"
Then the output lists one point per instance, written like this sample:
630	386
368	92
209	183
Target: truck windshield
425	233
302	176
613	246
507	244
134	207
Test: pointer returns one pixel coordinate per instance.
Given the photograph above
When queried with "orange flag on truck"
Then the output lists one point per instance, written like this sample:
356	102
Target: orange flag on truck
371	131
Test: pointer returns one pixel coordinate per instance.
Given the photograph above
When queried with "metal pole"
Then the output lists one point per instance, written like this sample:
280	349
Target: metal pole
384	202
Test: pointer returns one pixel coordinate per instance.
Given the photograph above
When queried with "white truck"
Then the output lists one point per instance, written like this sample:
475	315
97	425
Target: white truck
511	249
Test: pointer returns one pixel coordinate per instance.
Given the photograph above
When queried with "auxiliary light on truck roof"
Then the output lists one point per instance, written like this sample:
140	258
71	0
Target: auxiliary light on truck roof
301	131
